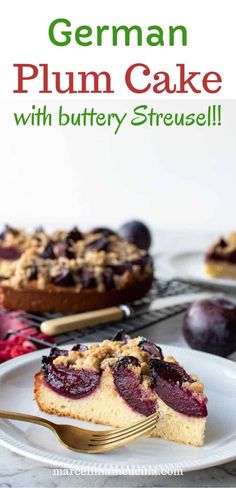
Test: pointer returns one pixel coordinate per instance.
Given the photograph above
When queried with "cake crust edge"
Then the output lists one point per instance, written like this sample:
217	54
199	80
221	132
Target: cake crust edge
61	299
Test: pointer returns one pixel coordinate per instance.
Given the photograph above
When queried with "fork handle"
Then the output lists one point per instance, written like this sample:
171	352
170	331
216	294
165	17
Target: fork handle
79	321
34	419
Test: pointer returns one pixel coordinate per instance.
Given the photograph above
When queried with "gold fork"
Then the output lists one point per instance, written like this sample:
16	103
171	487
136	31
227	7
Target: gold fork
89	441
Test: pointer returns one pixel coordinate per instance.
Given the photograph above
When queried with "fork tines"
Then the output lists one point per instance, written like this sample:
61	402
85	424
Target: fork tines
115	436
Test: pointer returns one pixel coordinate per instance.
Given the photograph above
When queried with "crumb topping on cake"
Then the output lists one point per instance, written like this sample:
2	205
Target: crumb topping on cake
99	356
133	370
196	387
106	354
19	238
72	259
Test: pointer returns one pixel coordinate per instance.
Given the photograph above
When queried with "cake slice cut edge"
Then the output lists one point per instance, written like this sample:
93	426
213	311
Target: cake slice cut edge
220	269
117	383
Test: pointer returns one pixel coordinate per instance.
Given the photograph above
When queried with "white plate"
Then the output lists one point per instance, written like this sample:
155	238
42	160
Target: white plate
219	376
189	266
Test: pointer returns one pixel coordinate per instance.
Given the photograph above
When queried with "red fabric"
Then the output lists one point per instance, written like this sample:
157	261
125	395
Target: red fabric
17	344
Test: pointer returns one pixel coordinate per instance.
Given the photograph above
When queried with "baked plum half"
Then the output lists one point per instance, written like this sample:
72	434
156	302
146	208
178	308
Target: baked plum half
168	379
128	384
152	349
9	253
69	382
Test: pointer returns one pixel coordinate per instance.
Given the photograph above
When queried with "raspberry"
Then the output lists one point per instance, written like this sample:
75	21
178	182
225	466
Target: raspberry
29	346
17	351
4	356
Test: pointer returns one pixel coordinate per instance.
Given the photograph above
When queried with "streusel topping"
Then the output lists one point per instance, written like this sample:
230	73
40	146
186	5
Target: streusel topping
74	259
105	355
98	356
21	239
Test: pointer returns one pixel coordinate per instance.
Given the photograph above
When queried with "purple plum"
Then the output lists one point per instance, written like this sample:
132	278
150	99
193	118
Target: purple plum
87	280
9	253
210	326
61	249
100	244
74	235
137	233
79	347
55	352
167	380
33	273
65	278
128	385
69	382
151	348
121	336
108	278
104	230
48	252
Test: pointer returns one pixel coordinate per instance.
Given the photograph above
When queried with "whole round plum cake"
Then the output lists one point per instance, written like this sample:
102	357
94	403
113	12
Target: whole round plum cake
71	271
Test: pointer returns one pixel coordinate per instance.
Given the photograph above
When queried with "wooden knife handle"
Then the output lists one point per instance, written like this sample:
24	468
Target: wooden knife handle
79	321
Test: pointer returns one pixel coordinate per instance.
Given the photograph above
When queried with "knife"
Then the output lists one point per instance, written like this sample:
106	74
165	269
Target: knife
78	321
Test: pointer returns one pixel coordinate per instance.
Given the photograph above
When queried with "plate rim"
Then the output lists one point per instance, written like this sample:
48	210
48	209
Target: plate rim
61	461
168	267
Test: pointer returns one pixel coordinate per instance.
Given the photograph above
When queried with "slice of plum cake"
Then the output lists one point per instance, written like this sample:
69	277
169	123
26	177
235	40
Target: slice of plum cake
118	382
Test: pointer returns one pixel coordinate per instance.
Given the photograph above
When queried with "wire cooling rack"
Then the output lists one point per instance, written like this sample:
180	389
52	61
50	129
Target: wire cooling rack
143	317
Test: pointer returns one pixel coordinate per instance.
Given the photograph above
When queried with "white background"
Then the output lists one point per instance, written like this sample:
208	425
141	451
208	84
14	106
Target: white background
170	177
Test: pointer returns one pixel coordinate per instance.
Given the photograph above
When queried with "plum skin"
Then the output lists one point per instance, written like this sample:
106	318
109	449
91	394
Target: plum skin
168	379
137	233
69	382
129	386
210	326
